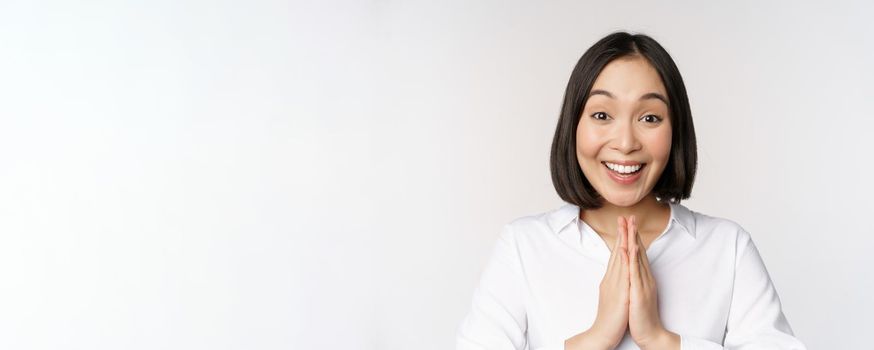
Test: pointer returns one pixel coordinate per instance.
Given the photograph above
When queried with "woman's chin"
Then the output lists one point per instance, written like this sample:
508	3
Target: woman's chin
622	201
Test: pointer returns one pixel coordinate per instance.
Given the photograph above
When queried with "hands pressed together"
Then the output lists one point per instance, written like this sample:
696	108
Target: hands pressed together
628	299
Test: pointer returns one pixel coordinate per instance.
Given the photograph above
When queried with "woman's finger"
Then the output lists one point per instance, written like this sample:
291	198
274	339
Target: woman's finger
644	258
636	278
641	250
614	256
622	239
645	269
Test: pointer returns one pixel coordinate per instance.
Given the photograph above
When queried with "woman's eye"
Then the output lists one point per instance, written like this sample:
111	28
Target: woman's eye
599	115
652	118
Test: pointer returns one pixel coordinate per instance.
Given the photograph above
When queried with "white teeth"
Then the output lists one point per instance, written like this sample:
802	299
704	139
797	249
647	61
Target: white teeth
623	169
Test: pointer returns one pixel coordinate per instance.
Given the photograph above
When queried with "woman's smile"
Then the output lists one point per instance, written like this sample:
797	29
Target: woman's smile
624	174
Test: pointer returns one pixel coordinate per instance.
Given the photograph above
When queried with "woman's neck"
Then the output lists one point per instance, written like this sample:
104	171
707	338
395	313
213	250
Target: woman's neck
652	217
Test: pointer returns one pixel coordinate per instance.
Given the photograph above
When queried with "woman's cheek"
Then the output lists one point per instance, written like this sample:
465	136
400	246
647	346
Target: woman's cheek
659	144
663	145
587	142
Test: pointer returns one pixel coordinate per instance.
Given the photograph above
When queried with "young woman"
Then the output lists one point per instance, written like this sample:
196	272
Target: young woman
622	265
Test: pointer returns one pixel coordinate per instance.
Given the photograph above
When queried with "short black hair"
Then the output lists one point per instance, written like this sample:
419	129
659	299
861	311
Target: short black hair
676	180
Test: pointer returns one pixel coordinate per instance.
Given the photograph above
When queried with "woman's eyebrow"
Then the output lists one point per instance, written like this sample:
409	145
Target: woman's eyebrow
646	96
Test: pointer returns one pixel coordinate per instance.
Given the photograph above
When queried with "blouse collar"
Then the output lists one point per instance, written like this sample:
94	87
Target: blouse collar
559	218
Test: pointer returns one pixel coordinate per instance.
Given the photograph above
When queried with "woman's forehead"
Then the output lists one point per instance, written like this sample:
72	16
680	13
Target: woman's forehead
628	79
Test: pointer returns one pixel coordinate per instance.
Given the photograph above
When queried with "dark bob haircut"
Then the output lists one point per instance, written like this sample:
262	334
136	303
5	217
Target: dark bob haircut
676	180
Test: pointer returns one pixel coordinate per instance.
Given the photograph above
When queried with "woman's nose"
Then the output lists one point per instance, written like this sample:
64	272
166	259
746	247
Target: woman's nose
625	138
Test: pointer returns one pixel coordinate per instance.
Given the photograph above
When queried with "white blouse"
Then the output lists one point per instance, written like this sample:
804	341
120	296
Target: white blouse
541	285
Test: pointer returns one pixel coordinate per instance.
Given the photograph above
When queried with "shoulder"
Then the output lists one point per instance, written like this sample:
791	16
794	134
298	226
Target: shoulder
540	225
713	226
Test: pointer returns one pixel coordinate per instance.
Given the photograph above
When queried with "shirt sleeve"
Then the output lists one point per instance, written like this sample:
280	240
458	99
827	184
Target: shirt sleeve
755	319
497	319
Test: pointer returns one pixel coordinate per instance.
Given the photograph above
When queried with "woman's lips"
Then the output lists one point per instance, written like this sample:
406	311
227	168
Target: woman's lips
623	179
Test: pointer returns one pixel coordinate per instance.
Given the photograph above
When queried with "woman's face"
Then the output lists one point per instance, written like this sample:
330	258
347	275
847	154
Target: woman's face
625	126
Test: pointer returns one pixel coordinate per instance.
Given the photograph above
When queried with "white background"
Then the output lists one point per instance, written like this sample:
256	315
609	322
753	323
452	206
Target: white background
333	175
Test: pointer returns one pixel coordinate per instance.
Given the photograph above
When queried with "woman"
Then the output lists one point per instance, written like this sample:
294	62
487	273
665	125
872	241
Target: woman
622	265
